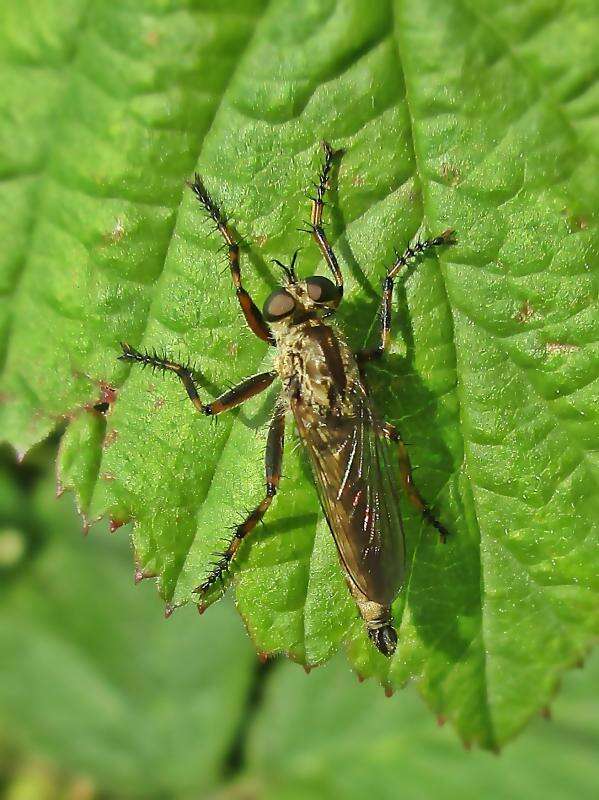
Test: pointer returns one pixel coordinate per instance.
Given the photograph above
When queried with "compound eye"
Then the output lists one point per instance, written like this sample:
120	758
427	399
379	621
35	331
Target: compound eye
278	305
322	290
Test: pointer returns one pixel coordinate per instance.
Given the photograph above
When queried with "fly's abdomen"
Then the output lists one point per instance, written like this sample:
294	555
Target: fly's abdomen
352	469
359	496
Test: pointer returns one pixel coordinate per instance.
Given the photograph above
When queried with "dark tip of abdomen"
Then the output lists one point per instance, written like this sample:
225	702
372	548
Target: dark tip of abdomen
384	639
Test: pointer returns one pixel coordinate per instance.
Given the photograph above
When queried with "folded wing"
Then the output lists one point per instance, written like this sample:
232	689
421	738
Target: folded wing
358	492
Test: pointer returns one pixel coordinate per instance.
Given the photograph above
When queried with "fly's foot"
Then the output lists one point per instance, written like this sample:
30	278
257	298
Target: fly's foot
441	529
447	237
220	569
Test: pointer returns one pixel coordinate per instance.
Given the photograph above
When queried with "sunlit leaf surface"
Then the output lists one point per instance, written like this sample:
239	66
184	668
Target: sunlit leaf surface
479	116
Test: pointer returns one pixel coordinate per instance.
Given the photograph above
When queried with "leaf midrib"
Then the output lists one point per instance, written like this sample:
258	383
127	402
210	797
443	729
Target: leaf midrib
550	100
457	391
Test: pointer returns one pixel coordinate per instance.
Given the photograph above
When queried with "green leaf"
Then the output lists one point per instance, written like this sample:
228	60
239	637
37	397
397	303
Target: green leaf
93	679
481	117
355	743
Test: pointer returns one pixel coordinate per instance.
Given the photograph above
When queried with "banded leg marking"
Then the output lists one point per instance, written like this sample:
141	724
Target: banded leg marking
405	469
253	315
229	399
273	460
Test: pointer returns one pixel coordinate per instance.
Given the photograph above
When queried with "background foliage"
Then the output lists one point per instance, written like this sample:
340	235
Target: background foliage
479	116
101	698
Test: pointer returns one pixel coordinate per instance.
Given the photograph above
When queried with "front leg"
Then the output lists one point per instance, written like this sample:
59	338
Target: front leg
273	461
405	469
251	312
316	229
410	253
229	399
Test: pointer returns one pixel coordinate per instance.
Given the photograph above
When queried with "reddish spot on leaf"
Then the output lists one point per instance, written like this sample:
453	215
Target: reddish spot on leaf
116	233
152	38
108	395
525	313
561	347
110	438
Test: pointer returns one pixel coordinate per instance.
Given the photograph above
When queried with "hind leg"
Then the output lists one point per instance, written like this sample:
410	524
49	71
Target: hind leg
405	469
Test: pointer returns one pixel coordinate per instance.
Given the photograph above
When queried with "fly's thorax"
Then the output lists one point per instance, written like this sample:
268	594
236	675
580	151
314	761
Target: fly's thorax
317	367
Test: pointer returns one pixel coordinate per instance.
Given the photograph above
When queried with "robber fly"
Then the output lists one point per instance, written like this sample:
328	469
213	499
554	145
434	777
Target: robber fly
325	388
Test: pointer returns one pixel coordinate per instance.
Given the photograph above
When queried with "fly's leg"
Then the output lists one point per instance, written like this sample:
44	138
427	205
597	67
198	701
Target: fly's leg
405	469
411	252
316	229
229	399
273	460
253	315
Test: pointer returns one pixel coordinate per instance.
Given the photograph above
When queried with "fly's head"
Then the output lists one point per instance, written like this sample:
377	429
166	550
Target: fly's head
298	300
